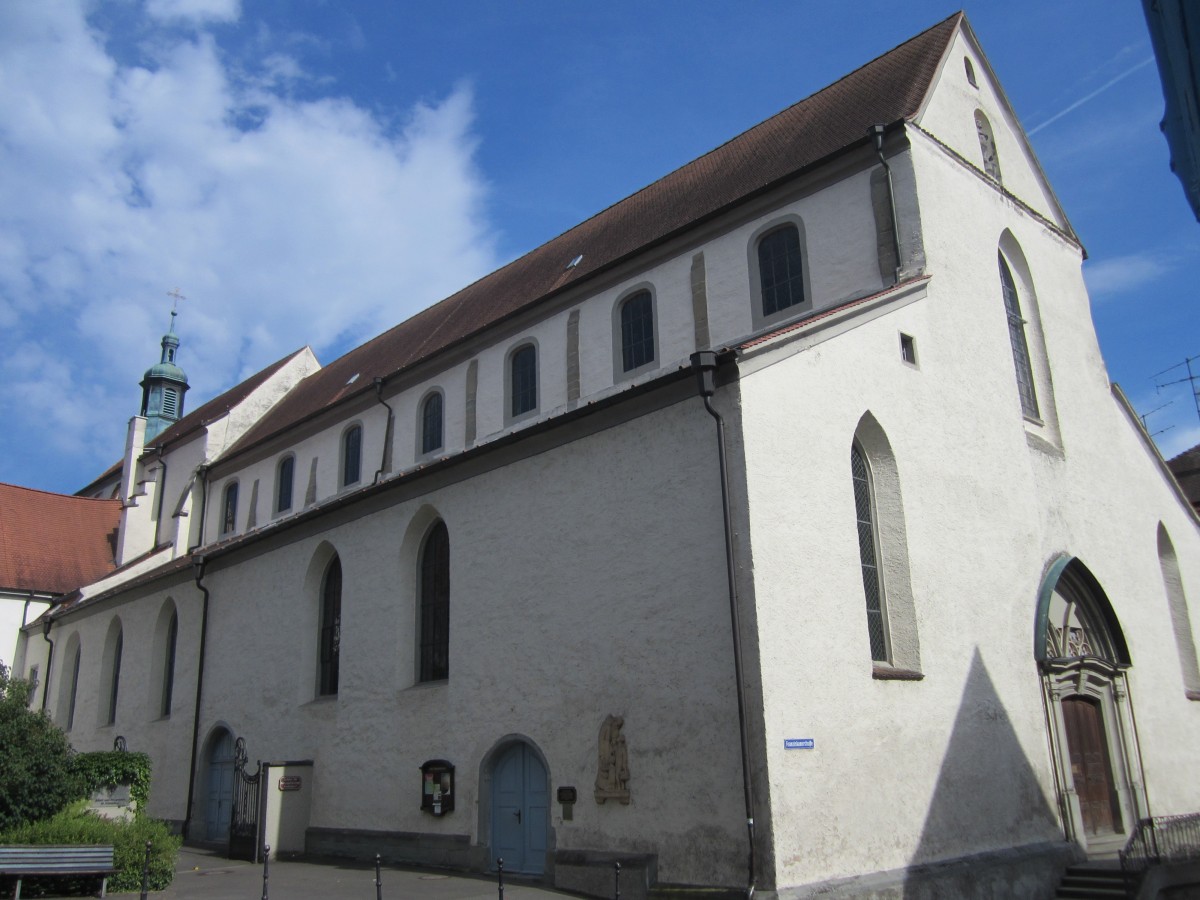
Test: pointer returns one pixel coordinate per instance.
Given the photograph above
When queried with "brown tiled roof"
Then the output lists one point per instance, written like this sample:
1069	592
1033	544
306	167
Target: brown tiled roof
54	543
887	90
219	405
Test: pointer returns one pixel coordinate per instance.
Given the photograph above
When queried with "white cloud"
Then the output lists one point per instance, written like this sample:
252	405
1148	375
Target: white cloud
285	222
1123	274
198	11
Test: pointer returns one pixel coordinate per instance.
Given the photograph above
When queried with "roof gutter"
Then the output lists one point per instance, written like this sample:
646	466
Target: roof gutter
162	490
704	363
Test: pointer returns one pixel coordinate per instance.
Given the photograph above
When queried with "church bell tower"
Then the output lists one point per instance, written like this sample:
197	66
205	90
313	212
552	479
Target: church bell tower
163	387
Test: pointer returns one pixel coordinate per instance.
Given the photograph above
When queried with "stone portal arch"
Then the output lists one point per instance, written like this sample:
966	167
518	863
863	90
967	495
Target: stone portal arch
1083	658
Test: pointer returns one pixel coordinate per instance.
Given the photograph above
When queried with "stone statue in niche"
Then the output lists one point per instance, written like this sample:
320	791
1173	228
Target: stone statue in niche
612	775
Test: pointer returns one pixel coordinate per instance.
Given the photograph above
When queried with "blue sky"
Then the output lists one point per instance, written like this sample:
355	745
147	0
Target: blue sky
315	172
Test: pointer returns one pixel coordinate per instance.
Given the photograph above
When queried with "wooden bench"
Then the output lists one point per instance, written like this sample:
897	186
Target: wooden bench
24	860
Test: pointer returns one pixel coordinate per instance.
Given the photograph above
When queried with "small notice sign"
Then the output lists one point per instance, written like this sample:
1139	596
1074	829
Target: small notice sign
798	743
289	782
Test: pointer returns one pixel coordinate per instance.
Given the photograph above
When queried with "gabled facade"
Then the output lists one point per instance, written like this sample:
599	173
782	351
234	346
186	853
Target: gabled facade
791	489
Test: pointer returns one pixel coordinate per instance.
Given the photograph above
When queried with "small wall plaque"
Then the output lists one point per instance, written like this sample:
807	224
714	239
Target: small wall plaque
798	743
289	782
567	795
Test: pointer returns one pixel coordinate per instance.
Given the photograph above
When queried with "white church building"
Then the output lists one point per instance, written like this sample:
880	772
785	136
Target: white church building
777	526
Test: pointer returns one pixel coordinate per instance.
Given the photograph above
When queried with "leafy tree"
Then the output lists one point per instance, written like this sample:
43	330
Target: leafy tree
37	777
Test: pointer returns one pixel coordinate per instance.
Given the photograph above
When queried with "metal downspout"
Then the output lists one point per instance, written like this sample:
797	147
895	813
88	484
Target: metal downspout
705	364
876	131
46	626
387	432
162	490
197	564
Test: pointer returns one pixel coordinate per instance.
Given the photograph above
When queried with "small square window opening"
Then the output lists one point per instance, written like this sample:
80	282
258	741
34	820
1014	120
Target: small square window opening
908	348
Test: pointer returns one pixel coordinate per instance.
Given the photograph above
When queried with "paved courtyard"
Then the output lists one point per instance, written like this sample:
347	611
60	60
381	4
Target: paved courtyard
204	875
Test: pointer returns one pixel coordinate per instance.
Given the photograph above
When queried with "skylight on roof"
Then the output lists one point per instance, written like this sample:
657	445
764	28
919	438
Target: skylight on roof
576	261
353	378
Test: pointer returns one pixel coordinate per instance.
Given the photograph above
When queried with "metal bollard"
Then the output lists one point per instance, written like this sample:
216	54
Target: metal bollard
500	875
378	882
146	873
266	864
617	871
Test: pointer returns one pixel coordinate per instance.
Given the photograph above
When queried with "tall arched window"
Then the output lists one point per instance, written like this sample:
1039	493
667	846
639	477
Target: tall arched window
431	423
74	692
868	553
435	605
229	509
1181	620
111	677
168	680
637	331
285	479
1016	337
523	386
352	455
330	637
780	269
883	554
987	145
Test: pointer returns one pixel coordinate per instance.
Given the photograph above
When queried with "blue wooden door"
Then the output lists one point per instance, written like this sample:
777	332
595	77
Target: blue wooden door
520	810
220	789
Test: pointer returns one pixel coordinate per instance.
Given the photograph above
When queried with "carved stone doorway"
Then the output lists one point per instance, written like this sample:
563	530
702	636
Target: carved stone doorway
1082	655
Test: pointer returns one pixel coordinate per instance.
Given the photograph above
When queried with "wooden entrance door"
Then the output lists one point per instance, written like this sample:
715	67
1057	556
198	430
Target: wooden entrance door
1090	769
520	807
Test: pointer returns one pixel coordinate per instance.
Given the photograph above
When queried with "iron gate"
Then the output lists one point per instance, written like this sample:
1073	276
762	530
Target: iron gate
243	828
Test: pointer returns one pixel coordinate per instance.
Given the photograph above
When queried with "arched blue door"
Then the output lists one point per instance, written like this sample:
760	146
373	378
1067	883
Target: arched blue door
520	810
220	788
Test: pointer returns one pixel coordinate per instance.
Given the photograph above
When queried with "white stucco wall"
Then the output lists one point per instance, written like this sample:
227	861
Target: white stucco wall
989	500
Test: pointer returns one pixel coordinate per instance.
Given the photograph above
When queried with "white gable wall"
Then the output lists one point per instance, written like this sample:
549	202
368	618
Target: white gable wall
949	115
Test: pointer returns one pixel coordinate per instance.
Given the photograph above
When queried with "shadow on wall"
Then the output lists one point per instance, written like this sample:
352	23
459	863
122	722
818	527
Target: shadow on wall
987	797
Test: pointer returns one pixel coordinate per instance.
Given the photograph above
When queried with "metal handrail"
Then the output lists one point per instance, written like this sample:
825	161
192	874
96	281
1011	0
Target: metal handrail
1161	839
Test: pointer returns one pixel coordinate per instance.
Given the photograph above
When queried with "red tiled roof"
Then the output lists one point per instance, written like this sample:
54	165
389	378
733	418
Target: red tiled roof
887	90
54	543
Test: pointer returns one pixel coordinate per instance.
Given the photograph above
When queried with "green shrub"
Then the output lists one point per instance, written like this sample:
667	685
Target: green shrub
75	825
37	777
108	768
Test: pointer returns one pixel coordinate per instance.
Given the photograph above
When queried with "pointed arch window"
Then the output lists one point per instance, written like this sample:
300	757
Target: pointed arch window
74	689
1018	341
431	423
352	455
168	683
114	678
330	638
987	146
868	553
435	605
1181	620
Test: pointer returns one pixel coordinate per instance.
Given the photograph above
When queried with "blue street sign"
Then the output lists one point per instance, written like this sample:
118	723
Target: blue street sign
797	743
